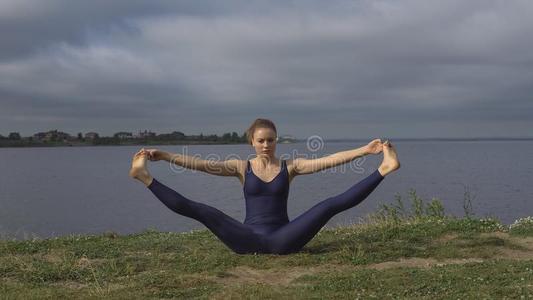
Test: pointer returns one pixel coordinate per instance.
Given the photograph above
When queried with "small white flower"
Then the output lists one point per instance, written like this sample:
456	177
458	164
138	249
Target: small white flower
527	221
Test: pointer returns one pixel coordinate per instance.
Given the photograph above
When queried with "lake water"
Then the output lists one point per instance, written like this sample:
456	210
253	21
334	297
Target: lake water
46	192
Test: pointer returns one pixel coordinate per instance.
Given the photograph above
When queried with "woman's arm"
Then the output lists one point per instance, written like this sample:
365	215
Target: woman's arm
308	166
214	167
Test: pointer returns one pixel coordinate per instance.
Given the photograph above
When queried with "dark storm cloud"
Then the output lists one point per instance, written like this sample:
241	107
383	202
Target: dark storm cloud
340	69
27	26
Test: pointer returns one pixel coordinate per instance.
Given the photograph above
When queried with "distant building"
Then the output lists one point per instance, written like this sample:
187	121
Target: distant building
178	135
123	135
145	134
91	135
51	136
175	135
39	136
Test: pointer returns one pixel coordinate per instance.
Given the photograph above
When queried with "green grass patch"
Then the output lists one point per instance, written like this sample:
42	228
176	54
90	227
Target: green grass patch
398	252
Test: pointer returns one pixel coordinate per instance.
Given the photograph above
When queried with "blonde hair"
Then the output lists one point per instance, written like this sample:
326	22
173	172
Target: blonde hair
259	123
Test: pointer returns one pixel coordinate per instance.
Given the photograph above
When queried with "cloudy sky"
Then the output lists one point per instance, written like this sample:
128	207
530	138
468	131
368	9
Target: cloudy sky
339	69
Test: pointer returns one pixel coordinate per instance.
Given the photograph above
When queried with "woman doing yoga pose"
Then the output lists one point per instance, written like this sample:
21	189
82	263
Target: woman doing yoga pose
265	179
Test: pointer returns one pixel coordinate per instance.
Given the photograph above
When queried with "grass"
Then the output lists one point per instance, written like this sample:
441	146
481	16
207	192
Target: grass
396	253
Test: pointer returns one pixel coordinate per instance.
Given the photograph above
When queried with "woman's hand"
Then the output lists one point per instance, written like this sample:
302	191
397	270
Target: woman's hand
154	154
374	147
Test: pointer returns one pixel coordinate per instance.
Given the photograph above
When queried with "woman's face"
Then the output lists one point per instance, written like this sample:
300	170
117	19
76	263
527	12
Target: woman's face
264	141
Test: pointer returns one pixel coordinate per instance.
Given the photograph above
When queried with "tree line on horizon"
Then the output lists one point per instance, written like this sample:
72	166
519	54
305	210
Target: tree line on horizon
95	138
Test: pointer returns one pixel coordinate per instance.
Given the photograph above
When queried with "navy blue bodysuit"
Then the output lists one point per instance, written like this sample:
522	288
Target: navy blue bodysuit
266	228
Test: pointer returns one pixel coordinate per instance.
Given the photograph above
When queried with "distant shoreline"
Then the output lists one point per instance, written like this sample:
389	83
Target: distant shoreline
26	144
441	139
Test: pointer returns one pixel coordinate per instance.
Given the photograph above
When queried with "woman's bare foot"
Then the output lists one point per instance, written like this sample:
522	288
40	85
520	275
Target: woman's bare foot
390	161
138	168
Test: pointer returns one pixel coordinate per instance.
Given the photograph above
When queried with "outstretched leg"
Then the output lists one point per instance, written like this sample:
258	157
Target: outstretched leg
294	235
237	236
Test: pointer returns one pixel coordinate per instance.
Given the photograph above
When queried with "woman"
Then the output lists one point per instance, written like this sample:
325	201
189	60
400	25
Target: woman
266	180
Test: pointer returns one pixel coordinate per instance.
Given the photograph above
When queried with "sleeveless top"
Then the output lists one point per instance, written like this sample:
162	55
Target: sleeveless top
266	202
